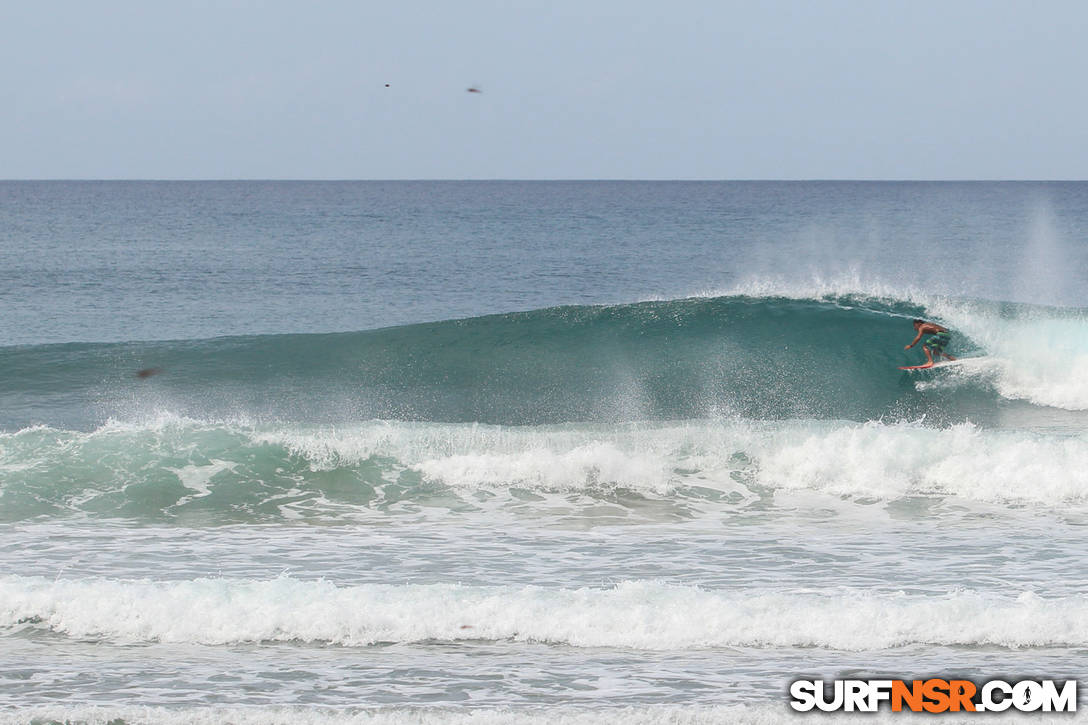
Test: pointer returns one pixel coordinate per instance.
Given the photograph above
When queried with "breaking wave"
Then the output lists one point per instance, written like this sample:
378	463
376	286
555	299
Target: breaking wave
635	614
762	358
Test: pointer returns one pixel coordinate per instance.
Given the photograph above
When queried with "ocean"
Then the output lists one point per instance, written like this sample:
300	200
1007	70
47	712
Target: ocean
533	452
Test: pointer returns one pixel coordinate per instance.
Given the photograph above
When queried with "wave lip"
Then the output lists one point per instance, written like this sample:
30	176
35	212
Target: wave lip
635	614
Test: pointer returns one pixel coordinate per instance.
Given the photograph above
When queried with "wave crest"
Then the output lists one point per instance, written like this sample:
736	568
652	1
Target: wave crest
234	472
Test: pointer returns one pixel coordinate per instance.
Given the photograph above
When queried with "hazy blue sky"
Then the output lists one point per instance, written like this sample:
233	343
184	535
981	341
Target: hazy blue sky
571	89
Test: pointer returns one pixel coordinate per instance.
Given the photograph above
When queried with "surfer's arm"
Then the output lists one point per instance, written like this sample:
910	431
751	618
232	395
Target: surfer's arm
914	341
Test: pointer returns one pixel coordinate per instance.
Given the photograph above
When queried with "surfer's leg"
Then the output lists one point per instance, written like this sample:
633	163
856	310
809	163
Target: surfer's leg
929	355
938	343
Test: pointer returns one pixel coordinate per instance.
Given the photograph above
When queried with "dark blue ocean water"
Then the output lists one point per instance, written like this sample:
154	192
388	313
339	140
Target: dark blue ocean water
443	452
92	261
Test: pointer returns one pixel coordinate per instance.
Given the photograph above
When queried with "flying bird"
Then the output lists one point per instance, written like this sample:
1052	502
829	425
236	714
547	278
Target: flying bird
474	90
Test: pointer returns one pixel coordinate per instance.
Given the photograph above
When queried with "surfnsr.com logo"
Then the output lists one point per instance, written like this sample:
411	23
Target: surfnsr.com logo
934	695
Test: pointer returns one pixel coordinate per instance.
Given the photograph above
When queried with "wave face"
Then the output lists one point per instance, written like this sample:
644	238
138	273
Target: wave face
737	356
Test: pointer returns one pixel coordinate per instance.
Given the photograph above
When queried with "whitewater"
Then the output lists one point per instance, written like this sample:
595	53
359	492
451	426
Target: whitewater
533	452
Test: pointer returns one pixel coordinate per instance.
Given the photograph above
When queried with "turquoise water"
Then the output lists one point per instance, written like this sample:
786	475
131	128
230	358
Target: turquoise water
505	451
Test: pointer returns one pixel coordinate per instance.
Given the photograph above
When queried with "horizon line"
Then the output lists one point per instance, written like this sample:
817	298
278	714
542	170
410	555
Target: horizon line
530	180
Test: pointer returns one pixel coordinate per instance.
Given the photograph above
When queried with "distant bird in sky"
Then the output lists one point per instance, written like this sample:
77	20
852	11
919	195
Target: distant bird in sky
474	89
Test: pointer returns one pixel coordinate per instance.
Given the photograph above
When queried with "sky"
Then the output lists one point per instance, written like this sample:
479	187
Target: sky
570	89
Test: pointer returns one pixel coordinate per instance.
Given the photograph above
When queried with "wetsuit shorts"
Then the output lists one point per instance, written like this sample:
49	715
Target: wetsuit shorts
939	341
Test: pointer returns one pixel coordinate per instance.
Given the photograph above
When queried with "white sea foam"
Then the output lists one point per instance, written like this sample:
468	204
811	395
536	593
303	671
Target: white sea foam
636	614
646	715
480	456
1036	354
889	461
871	459
885	461
540	715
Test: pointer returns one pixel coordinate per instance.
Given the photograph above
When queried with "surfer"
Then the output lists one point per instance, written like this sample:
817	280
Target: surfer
937	342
